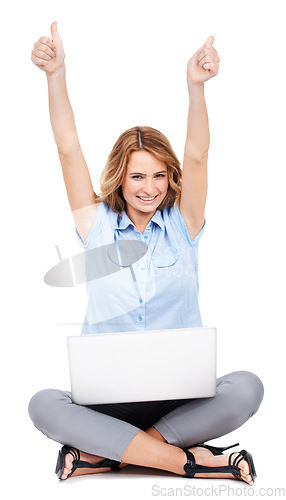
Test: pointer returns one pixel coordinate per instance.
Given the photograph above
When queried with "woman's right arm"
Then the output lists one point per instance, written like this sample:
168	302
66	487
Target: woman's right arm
49	56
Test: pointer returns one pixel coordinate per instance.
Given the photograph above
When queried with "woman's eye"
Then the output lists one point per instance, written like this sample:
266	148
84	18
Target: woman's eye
140	176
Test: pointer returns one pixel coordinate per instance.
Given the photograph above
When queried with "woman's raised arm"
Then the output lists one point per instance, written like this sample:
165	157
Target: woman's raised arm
48	54
201	67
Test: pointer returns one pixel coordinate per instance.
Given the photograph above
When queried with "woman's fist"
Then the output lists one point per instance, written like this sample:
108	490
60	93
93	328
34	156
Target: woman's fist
49	54
204	64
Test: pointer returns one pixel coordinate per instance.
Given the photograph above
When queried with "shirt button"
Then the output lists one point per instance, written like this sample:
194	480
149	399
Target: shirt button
140	318
145	237
142	268
140	300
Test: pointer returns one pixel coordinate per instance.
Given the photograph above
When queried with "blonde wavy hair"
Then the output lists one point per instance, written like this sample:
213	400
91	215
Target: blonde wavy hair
136	139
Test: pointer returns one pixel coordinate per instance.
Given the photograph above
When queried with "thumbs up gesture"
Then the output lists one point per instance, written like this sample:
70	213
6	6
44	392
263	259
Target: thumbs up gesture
48	54
204	64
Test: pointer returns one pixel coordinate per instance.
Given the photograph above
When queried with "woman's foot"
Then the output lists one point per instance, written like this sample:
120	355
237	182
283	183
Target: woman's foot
205	457
86	457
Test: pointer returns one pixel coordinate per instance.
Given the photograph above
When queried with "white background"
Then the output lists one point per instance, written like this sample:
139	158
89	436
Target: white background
126	64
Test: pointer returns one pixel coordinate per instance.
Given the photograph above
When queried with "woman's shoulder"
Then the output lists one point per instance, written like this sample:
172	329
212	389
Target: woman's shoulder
90	220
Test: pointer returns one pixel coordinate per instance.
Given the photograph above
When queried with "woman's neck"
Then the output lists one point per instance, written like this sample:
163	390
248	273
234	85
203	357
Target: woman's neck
139	219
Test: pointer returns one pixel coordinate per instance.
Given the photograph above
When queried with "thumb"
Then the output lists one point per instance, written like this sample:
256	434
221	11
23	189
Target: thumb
54	32
209	41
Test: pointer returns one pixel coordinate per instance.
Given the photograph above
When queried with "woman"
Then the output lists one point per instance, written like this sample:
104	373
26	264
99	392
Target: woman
145	197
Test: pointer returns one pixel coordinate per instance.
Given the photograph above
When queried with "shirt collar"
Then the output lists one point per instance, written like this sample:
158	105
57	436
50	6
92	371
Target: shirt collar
124	222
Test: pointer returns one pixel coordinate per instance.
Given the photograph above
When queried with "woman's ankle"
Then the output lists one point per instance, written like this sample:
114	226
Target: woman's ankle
147	451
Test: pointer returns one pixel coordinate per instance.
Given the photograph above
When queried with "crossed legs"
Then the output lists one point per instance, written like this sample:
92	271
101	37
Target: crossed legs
238	397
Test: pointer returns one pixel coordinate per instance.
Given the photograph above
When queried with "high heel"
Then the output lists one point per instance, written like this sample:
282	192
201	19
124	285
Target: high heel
191	468
77	463
214	449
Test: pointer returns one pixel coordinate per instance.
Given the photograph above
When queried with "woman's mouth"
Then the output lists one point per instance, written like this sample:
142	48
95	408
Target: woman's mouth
147	199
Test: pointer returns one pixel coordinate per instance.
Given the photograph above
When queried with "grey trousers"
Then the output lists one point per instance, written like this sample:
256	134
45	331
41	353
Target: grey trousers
106	430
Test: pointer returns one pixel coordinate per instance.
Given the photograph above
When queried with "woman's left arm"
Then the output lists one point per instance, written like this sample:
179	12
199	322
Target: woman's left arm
201	67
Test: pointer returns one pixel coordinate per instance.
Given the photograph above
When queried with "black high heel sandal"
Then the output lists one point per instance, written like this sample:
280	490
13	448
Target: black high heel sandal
191	468
80	464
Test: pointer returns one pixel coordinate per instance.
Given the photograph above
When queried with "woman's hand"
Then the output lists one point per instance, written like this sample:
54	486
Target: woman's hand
203	65
49	54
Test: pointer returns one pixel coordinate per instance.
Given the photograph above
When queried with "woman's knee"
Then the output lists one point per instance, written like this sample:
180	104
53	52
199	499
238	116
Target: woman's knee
248	391
42	405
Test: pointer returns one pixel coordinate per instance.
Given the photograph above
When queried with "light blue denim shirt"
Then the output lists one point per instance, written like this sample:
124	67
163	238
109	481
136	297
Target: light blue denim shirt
161	292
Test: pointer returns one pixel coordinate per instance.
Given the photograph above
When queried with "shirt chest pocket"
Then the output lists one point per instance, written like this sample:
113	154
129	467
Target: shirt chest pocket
165	257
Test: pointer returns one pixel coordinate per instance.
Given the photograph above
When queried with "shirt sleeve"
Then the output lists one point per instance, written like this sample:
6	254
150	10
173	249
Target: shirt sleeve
178	219
96	227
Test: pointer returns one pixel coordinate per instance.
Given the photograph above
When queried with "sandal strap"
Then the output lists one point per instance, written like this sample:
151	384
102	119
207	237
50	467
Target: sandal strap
191	468
239	457
73	451
236	472
106	462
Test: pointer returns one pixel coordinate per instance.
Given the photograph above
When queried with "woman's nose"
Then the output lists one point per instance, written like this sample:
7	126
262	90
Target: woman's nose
149	187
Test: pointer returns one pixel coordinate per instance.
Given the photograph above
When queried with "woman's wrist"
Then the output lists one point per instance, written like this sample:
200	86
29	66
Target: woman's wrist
196	93
58	74
195	88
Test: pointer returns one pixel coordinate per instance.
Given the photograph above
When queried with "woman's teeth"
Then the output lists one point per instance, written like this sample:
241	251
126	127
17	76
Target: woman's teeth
146	199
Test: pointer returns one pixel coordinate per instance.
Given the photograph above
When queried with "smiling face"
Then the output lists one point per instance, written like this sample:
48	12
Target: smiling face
145	183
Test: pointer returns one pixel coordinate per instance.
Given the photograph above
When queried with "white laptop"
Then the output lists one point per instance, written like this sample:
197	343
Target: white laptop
143	366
